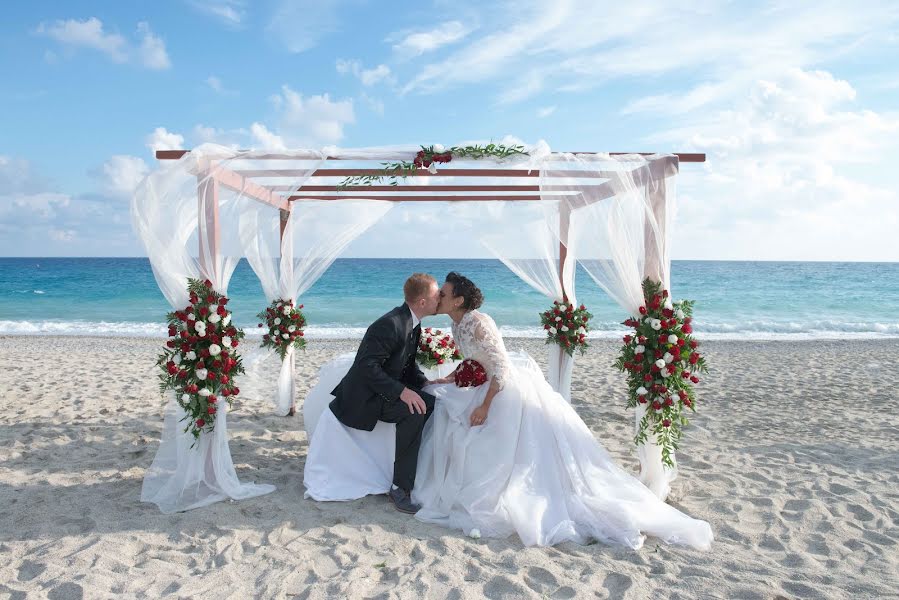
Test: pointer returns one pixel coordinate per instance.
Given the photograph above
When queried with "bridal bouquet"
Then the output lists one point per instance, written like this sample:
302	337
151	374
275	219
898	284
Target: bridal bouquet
662	363
435	348
566	325
285	326
199	360
470	373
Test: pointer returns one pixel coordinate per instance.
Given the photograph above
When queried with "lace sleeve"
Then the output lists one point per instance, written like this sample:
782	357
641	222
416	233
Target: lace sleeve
491	347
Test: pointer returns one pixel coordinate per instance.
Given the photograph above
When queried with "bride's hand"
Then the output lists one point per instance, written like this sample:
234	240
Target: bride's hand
479	416
447	379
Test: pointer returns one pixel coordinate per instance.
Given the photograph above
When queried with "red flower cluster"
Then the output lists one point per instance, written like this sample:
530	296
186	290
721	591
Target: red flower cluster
662	363
435	348
566	325
199	361
285	326
470	374
424	158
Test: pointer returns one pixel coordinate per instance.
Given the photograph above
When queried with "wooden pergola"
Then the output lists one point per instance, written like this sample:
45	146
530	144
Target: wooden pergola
252	183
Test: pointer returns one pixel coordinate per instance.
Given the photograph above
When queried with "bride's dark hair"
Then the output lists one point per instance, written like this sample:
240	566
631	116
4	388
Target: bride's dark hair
464	287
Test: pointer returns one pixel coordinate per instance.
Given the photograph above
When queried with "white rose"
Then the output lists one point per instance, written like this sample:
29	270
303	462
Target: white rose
201	333
563	307
214	318
226	341
213	307
679	314
277	320
292	328
642	391
191	316
668	357
581	330
215	349
660	363
660	408
185	397
191	355
564	328
672	339
558	319
226	320
285	336
439	149
204	392
201	374
199	325
176	359
640	349
432	168
286	309
656	324
668	304
552	330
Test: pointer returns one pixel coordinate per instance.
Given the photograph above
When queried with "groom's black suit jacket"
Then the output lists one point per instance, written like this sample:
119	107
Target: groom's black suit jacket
384	365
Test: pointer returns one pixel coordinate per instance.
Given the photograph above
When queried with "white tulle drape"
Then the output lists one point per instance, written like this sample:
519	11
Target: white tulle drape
165	211
315	234
620	216
533	253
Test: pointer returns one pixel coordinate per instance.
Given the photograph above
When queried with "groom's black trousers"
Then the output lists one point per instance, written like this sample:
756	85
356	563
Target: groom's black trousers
409	427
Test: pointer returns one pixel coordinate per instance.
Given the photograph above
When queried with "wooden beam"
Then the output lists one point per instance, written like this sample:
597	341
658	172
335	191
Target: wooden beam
236	182
690	157
412	198
208	234
404	188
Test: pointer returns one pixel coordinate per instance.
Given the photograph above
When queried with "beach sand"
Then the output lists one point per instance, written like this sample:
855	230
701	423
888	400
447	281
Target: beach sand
793	459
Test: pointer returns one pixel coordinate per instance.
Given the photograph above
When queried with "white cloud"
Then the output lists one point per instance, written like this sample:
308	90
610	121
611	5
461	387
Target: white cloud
413	44
73	34
162	139
152	51
120	174
265	139
62	235
229	12
216	85
546	111
87	34
368	77
313	120
300	26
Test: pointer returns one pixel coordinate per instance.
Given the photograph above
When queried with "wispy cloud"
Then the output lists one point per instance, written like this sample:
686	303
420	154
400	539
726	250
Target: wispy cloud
229	12
368	77
546	111
300	26
148	51
415	43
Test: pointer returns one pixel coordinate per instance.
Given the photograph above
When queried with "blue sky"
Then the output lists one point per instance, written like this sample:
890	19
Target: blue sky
796	104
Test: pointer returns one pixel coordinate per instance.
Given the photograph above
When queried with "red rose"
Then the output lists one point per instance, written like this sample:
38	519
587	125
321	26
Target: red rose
211	399
583	307
666	423
688	403
687	328
659	354
200	422
201	365
265	337
627	339
211	410
641	339
657	405
669	401
638	356
694	379
204	311
221	311
642	310
546	326
235	391
647	378
223	301
694	358
693	344
223	378
642	399
172	369
299	333
226	392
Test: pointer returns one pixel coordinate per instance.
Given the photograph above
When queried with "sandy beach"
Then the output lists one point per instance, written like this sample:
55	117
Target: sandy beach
793	459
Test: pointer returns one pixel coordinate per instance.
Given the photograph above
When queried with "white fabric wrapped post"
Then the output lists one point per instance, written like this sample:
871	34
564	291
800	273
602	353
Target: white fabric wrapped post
165	212
315	234
534	255
614	232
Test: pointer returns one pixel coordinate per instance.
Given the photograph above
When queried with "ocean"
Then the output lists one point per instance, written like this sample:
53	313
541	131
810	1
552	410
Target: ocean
734	300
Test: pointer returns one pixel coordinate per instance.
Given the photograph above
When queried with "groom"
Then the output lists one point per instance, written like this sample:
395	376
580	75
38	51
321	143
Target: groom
384	383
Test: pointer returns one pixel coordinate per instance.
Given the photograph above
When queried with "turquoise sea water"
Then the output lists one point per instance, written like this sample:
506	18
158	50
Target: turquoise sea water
758	300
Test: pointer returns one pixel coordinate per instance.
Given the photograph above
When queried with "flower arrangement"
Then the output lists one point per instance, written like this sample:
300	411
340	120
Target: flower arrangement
199	361
285	325
435	348
663	364
567	326
428	158
470	373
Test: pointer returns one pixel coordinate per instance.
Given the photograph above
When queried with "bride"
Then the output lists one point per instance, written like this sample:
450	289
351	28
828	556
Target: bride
511	456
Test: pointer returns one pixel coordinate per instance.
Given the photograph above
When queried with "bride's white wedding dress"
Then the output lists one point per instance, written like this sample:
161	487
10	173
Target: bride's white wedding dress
534	468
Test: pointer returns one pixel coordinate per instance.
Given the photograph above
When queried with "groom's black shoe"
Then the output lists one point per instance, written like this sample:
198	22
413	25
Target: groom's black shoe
401	499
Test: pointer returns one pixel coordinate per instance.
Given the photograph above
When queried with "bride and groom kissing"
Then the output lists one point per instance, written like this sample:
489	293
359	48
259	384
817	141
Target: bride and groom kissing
510	456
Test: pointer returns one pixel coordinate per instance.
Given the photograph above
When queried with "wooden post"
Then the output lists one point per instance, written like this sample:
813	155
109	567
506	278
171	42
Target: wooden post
285	219
208	230
564	226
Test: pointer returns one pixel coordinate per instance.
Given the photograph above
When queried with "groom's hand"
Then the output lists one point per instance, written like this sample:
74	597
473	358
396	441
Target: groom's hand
413	401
